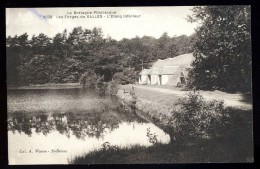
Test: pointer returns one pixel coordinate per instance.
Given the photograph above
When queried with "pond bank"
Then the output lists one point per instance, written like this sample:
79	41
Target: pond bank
48	86
151	111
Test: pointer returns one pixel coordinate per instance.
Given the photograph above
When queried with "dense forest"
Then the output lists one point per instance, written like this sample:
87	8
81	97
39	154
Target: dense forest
221	46
66	56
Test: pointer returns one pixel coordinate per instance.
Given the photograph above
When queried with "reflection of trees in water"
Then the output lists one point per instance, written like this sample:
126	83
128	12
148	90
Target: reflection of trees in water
20	122
43	124
92	124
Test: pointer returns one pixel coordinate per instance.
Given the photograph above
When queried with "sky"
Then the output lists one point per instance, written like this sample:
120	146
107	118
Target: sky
149	21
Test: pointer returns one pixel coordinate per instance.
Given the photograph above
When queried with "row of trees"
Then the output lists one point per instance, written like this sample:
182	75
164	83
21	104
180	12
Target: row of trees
66	56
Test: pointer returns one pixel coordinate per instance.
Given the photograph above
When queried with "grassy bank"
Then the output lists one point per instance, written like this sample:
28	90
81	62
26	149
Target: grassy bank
162	98
168	95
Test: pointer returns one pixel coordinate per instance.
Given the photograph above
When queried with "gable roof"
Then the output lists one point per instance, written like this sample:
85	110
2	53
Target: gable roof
144	72
170	66
184	60
155	71
170	70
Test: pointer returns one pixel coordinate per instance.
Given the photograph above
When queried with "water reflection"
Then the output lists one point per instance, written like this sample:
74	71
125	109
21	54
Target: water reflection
78	124
73	132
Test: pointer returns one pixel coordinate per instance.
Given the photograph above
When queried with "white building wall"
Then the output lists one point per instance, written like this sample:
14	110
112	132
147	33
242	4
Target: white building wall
143	79
154	79
165	79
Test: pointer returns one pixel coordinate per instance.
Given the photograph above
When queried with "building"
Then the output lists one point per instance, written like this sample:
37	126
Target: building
143	77
154	76
171	71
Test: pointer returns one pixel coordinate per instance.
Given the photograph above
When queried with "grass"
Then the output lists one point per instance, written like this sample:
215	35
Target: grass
168	95
156	97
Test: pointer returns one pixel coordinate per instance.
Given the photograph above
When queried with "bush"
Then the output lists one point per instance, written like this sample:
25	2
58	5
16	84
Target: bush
112	88
195	117
128	76
88	79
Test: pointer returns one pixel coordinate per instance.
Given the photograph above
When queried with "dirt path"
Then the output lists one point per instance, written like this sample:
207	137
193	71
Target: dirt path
234	100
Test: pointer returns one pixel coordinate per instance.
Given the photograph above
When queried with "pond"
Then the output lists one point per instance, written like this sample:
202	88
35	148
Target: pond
52	126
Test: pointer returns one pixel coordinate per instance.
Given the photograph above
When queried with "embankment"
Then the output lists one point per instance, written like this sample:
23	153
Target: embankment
159	114
156	104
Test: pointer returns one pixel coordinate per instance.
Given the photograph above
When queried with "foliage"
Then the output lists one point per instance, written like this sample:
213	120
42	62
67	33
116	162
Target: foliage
112	88
101	86
38	70
108	146
128	76
88	79
223	50
66	56
194	117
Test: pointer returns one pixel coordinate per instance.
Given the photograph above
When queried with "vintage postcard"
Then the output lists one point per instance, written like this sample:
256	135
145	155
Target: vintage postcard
129	85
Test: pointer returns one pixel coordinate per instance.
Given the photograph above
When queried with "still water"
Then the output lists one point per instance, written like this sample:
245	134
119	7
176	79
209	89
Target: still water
55	125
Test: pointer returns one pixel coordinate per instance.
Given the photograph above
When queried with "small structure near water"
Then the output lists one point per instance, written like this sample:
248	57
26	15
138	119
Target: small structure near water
171	71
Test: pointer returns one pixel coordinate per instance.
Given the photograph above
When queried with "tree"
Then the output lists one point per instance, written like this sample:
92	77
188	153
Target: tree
101	86
128	76
41	44
60	44
88	79
107	60
67	55
17	54
223	50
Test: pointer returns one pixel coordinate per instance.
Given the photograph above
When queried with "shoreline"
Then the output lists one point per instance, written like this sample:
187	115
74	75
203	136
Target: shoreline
156	113
47	86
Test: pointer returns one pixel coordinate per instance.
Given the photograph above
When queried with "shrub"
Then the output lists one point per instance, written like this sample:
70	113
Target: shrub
195	117
112	88
128	76
88	79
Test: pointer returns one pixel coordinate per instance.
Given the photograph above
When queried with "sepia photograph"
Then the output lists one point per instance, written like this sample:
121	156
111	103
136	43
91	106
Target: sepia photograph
129	85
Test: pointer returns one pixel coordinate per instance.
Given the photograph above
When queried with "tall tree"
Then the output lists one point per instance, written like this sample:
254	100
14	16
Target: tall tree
41	44
60	45
223	50
17	54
